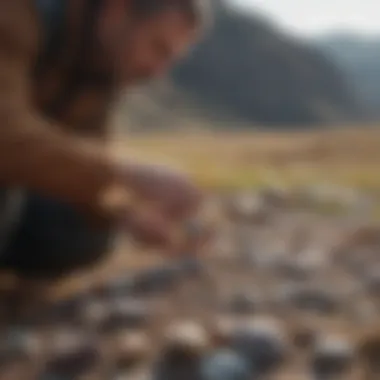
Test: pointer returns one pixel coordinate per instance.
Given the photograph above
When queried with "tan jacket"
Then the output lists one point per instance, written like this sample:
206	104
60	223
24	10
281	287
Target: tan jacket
43	148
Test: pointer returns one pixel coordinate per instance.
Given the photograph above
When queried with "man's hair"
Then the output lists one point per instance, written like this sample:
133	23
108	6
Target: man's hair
198	12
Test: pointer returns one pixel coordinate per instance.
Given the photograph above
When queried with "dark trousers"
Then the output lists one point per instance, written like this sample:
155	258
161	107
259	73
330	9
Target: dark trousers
44	238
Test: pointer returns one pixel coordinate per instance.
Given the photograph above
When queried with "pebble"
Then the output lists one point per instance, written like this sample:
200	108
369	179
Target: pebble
20	343
311	299
262	342
225	365
244	303
186	338
125	313
369	352
130	349
332	356
246	208
185	344
156	281
72	354
372	281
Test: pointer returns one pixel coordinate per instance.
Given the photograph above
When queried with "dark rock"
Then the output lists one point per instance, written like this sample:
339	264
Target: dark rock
66	311
244	303
125	314
321	301
19	344
118	287
262	343
332	356
156	281
369	352
72	354
292	269
304	337
225	365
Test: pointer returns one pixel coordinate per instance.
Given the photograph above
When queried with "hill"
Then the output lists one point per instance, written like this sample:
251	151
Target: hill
248	70
359	57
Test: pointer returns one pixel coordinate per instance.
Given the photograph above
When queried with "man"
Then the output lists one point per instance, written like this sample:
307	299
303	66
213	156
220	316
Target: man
61	62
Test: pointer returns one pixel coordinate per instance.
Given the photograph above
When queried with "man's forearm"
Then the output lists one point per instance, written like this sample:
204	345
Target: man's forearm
35	155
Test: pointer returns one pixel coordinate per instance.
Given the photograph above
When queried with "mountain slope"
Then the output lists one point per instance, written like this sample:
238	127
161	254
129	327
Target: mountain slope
360	58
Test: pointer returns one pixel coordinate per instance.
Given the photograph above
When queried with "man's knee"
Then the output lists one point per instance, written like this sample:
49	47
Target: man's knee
54	239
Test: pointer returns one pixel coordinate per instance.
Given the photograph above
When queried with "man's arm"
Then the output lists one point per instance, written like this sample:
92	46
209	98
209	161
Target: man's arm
33	152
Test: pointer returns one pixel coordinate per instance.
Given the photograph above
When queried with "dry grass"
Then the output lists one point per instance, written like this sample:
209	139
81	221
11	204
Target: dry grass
239	159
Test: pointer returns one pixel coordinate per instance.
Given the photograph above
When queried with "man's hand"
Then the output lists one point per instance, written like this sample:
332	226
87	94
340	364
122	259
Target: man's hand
162	200
170	192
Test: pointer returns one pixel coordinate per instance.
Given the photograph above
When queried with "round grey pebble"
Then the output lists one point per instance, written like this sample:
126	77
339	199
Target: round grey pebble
262	343
225	365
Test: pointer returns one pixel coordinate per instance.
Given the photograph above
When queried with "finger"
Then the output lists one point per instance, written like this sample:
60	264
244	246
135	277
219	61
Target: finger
182	206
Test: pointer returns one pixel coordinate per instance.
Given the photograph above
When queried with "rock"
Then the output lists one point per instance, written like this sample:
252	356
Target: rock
311	299
185	343
261	342
157	280
303	337
246	208
332	356
67	311
372	281
131	349
292	269
244	303
275	196
221	330
186	338
95	313
20	354
369	352
117	287
72	354
189	267
20	342
225	365
125	314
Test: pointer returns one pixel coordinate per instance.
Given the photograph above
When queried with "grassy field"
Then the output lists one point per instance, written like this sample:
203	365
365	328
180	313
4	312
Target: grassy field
242	159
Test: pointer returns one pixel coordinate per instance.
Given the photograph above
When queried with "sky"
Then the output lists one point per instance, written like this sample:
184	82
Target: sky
309	17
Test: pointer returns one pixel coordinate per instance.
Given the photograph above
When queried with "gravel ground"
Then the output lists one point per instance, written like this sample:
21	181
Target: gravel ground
285	293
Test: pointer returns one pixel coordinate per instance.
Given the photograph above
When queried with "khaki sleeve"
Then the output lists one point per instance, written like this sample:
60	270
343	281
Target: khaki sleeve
34	153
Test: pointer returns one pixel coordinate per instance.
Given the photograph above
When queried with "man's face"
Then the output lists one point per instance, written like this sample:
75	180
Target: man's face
139	50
